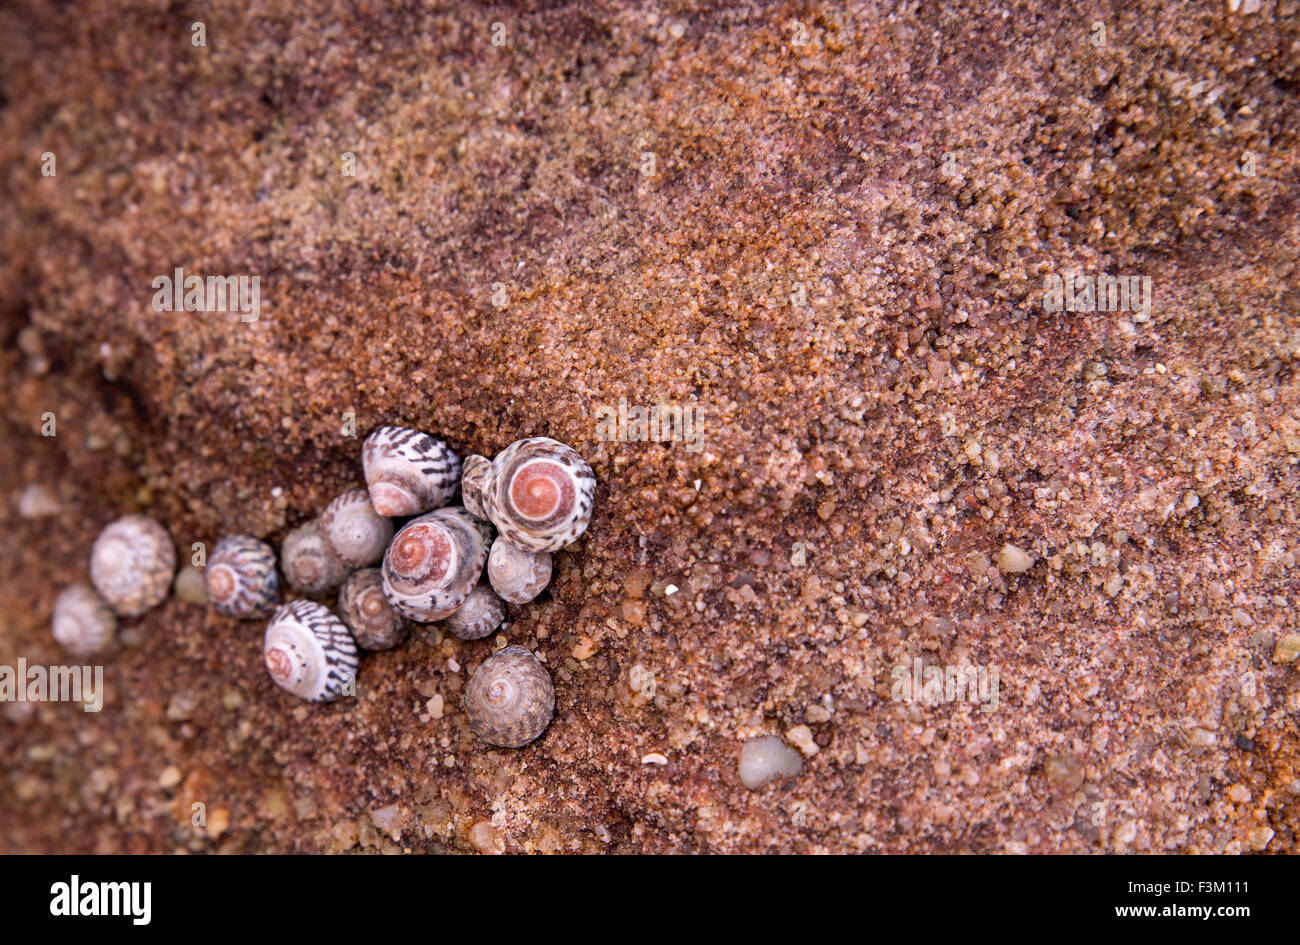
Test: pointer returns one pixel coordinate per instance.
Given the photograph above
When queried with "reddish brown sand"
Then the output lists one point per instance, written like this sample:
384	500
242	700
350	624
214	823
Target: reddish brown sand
915	410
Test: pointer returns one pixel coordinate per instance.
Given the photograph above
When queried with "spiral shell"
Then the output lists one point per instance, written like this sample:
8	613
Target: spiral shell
510	699
241	578
132	563
356	533
518	575
309	652
308	562
539	494
472	475
82	622
408	472
364	608
481	613
433	564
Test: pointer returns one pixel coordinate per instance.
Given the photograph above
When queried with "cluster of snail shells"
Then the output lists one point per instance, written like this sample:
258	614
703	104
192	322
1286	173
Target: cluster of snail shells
537	494
132	563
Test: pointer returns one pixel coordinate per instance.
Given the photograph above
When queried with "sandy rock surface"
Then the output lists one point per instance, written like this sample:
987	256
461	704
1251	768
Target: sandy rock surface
827	228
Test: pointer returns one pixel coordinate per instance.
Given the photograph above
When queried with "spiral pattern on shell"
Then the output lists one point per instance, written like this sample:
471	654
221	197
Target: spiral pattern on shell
240	577
518	576
309	652
473	473
355	532
510	699
83	624
132	563
371	618
308	562
433	564
481	613
408	472
539	494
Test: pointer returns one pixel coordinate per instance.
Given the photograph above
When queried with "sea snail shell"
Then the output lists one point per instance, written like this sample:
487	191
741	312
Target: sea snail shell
241	578
408	472
309	651
481	613
539	494
433	564
364	608
132	563
356	533
82	622
517	575
473	473
308	562
510	699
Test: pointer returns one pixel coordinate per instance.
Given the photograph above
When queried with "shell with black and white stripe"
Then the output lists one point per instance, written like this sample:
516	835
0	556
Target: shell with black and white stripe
539	494
434	562
240	578
408	472
309	652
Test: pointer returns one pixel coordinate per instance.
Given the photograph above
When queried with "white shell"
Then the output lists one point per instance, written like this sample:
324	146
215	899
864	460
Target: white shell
240	577
82	622
433	564
132	563
308	562
518	575
309	652
408	472
539	494
354	530
363	607
481	613
473	473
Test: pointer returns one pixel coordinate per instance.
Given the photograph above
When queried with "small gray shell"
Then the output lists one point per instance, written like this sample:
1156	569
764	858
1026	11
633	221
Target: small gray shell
309	652
241	579
539	494
408	472
371	618
356	533
132	563
518	575
471	485
83	624
481	613
308	562
433	564
510	699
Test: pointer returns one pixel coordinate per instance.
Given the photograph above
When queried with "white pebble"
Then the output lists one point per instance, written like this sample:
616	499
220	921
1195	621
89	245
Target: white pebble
1013	560
38	501
766	758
